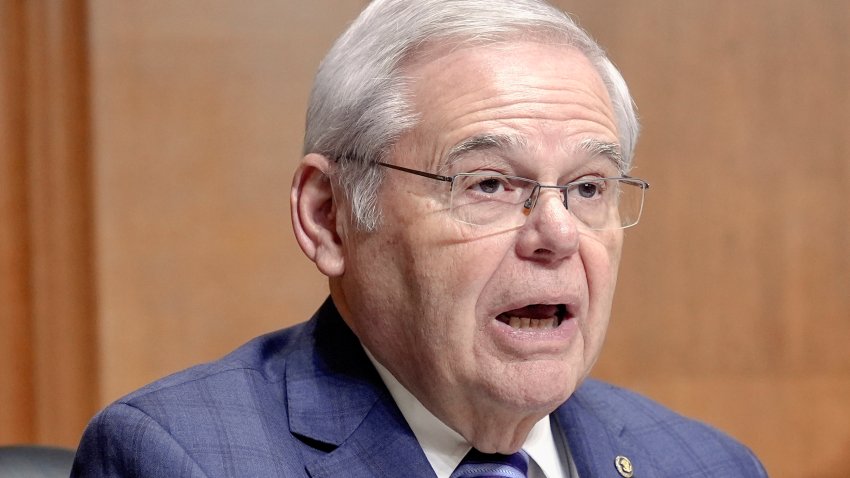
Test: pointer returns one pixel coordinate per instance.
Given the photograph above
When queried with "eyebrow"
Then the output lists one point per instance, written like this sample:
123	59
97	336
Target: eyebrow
483	142
611	151
507	142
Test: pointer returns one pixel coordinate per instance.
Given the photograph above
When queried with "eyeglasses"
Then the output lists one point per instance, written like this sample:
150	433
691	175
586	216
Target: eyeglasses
495	199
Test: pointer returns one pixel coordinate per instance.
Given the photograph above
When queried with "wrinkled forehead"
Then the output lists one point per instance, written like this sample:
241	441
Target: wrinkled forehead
472	150
473	97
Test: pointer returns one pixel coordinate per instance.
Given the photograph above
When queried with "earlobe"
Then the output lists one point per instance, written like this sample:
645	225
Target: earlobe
314	215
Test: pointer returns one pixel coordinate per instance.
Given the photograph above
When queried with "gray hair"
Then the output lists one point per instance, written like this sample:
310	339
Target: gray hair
359	104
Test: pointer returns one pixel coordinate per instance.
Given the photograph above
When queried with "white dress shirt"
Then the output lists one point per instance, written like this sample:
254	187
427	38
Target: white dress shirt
445	448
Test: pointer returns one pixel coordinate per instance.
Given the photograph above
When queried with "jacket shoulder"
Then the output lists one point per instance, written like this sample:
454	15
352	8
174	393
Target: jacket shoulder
676	445
202	421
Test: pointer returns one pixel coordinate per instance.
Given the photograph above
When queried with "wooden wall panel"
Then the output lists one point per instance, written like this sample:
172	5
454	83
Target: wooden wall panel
62	294
198	119
16	370
48	375
733	303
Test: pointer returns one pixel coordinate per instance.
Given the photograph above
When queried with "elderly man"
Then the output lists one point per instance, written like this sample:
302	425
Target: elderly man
465	189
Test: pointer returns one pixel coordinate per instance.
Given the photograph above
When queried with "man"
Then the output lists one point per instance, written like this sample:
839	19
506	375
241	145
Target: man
464	188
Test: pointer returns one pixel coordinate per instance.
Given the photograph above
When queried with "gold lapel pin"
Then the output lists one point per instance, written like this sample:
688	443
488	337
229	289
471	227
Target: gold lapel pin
624	467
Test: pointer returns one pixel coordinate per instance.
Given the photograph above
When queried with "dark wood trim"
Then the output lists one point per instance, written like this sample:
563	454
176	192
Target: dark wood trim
17	392
61	220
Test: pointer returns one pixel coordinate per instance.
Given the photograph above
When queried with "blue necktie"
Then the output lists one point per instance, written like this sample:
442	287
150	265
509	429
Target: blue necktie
481	465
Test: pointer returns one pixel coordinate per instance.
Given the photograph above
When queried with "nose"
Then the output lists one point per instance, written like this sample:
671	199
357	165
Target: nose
550	232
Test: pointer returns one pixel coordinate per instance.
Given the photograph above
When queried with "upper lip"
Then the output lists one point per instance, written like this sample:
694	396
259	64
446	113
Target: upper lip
540	297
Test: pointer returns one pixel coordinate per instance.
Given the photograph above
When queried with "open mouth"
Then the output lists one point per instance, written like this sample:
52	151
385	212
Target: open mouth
535	316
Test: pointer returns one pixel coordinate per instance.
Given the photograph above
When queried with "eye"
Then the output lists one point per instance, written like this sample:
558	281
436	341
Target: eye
489	185
482	188
589	190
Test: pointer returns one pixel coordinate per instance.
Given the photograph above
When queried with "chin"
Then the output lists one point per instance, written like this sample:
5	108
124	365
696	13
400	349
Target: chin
541	387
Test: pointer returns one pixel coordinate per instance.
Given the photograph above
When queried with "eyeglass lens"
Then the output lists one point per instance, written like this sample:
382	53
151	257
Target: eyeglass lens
505	201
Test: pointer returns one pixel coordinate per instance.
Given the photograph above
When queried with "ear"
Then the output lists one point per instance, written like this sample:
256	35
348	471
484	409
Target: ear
314	215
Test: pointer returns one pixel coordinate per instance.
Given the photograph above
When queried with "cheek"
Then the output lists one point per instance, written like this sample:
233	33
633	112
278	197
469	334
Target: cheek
456	269
446	291
601	257
450	280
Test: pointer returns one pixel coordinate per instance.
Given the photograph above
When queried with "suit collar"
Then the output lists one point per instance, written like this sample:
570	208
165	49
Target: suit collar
597	435
330	384
336	397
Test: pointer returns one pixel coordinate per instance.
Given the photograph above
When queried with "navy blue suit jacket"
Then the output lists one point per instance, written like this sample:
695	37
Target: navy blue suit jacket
306	401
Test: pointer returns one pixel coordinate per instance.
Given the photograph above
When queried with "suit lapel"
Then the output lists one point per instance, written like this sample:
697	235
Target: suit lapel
597	437
382	446
337	402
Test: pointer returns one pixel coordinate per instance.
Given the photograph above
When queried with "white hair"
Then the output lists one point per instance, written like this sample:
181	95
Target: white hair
359	104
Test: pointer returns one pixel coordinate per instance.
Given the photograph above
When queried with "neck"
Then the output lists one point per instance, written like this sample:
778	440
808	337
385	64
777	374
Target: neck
491	429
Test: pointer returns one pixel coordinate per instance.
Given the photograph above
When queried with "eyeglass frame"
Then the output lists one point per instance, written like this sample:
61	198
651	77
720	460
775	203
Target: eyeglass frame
642	184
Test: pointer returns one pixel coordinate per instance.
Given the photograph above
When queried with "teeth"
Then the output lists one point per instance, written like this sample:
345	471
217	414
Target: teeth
528	323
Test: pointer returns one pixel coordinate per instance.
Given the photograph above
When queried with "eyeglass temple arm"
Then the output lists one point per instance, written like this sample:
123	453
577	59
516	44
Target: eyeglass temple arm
418	173
641	182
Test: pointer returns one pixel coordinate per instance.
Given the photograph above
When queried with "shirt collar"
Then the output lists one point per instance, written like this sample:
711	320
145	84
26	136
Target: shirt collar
445	448
540	446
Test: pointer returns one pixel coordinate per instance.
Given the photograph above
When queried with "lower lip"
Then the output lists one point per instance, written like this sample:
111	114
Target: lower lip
534	341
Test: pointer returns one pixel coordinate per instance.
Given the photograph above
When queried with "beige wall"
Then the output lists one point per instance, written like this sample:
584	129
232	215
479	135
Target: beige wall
147	150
